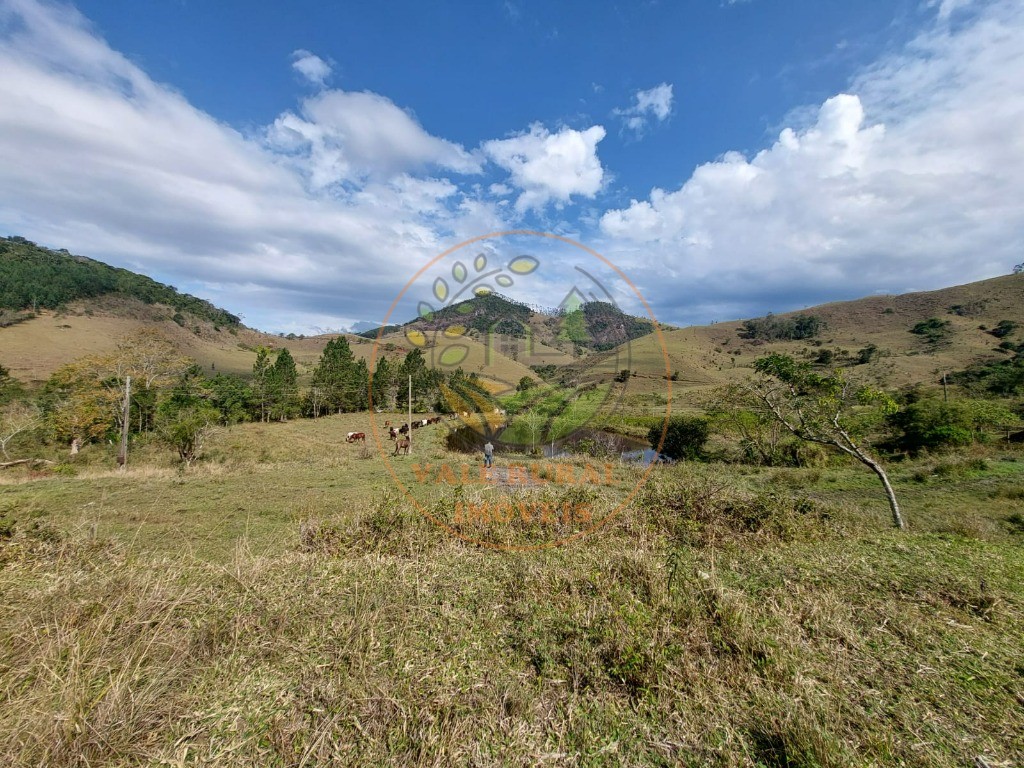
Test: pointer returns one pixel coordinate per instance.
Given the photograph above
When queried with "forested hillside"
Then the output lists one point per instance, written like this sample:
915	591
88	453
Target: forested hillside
593	326
33	277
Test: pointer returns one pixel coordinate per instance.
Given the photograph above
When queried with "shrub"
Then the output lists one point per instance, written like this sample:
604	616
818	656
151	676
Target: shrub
701	513
867	354
685	437
1003	328
933	330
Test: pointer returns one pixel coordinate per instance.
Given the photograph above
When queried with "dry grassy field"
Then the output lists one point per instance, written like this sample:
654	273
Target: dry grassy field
282	603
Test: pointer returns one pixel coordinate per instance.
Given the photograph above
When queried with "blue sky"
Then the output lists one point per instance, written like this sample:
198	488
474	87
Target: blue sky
299	162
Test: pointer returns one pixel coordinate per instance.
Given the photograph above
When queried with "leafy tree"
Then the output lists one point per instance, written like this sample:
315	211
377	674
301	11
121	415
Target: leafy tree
824	409
525	384
772	328
426	382
76	406
866	354
684	437
360	381
185	427
1000	377
231	396
185	416
932	423
760	434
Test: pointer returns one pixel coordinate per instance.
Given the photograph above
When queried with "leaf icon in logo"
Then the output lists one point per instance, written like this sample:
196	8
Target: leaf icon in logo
480	262
454	331
454	354
482	290
425	310
440	289
504	281
523	265
418	338
459	272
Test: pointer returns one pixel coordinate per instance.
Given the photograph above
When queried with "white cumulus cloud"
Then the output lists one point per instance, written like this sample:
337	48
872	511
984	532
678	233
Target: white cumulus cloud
550	167
310	66
344	136
911	180
653	103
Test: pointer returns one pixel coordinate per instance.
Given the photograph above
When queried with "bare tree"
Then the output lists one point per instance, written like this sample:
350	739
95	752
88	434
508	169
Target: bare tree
533	422
16	419
824	409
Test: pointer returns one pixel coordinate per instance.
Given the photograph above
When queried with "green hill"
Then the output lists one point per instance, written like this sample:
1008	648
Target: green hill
33	278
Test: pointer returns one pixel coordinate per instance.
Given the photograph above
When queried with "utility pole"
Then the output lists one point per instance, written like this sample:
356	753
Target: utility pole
122	453
410	415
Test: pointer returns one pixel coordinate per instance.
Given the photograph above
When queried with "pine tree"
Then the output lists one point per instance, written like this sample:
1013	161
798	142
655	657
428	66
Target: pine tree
261	384
333	375
360	380
384	384
415	366
283	378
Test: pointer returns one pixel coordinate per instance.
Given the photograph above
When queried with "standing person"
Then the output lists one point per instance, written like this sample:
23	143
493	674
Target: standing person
488	454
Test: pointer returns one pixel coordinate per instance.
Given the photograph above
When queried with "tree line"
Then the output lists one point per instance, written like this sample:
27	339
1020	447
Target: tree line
173	398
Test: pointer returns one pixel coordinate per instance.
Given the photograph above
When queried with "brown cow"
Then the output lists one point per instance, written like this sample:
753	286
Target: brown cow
355	437
402	446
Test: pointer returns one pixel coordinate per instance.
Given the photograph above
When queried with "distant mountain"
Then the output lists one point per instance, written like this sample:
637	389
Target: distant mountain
33	278
591	327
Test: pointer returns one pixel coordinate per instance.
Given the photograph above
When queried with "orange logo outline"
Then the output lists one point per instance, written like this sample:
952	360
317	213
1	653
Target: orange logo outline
600	523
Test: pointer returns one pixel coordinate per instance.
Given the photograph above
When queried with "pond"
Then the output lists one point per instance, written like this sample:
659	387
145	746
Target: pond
468	440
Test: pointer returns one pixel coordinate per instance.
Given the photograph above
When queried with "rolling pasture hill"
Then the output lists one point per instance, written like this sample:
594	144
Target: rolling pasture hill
907	339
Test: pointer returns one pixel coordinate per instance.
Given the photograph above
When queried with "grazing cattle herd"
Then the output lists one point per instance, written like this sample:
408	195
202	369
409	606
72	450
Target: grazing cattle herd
399	434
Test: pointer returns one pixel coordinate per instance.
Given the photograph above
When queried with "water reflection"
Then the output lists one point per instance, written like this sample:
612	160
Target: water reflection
583	441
